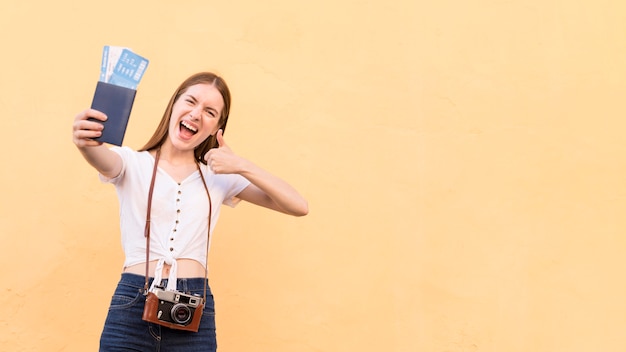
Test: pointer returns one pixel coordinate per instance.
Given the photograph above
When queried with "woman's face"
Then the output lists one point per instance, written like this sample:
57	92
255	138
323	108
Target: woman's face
195	116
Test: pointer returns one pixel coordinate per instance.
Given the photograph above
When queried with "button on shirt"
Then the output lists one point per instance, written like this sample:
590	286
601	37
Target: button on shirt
179	217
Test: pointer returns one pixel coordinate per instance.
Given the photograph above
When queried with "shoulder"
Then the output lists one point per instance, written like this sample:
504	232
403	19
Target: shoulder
223	179
226	182
130	155
133	162
127	151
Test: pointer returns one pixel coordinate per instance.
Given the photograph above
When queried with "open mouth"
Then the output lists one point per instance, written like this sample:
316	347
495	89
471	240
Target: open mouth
185	126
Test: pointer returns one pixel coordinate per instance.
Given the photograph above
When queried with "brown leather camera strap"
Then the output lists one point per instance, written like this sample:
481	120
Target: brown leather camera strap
147	228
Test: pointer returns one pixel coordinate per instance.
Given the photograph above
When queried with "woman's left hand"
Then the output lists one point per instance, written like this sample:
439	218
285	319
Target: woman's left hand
223	160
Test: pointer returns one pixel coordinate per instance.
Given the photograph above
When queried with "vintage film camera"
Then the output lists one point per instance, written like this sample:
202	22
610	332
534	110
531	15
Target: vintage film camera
173	309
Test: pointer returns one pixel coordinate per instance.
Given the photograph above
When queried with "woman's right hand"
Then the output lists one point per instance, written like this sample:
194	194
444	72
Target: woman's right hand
107	162
86	130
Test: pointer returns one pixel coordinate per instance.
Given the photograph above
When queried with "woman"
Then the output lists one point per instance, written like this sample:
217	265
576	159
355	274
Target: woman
186	152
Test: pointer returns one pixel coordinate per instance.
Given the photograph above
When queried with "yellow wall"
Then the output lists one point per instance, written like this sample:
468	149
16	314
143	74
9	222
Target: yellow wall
464	163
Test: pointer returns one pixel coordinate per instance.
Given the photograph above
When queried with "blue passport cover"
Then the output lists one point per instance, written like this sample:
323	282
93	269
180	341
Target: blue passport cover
116	102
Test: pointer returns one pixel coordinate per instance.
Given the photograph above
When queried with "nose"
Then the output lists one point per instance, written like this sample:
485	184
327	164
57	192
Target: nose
195	114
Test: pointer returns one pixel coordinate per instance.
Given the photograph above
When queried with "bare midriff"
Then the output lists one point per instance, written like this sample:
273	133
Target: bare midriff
187	268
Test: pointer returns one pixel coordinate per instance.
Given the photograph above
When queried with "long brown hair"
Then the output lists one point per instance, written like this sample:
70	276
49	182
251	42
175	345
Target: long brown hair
160	134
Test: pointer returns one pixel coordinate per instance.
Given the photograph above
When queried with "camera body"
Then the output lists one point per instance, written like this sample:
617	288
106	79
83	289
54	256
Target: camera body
173	309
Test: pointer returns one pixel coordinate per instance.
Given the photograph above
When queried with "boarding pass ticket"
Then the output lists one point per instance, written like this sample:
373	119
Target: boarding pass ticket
122	67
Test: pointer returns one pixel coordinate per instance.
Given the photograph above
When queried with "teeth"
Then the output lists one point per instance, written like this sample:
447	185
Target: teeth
184	123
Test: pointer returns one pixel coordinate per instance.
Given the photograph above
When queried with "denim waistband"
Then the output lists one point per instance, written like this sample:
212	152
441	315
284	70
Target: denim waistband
182	284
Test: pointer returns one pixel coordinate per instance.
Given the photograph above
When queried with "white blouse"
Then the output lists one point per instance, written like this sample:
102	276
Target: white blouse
179	214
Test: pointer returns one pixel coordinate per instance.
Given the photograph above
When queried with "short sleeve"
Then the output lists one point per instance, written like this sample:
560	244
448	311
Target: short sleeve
240	183
229	185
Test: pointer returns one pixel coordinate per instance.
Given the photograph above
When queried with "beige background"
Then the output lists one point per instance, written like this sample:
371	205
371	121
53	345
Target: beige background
464	164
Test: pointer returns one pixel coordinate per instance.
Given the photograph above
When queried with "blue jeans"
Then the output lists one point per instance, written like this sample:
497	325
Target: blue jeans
124	329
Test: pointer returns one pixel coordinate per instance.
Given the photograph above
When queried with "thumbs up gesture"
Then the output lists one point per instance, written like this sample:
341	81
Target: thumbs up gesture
220	139
222	160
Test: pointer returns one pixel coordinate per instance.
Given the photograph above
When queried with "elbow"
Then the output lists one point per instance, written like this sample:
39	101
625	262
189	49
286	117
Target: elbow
304	212
301	210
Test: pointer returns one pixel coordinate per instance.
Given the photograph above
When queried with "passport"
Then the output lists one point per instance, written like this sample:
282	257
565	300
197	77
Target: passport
116	102
121	70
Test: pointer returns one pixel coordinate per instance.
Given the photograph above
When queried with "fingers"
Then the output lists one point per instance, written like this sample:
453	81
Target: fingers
211	158
220	160
216	159
91	114
87	126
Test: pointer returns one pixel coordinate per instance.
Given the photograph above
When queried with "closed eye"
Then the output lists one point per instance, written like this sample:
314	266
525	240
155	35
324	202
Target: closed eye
210	111
191	101
190	98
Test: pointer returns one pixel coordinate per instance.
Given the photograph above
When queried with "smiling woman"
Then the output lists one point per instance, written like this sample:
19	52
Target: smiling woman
191	172
195	115
188	95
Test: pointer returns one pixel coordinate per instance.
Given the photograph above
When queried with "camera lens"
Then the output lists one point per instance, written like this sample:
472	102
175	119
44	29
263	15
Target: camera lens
181	314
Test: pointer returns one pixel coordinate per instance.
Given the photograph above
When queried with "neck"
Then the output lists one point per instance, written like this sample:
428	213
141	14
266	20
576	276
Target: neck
176	156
